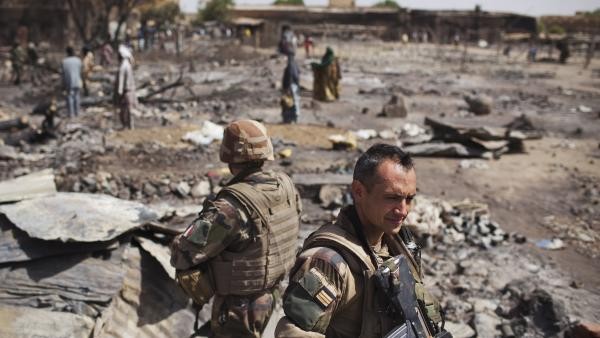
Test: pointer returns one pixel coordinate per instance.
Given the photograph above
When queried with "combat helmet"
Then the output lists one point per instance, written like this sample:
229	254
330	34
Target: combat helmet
245	141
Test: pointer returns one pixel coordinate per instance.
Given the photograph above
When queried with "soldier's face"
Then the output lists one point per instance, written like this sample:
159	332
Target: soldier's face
386	203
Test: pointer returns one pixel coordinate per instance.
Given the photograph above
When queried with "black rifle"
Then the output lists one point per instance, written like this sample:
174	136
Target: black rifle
396	280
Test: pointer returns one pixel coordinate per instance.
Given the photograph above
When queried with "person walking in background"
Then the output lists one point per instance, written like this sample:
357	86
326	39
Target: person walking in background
327	76
308	45
17	58
71	71
106	54
125	97
33	58
88	64
290	86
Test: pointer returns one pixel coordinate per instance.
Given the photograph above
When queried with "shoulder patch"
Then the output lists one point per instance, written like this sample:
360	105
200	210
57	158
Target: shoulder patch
217	219
197	232
326	293
309	301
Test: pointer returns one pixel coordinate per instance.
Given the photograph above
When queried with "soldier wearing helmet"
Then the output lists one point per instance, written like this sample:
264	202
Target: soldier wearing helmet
244	241
334	290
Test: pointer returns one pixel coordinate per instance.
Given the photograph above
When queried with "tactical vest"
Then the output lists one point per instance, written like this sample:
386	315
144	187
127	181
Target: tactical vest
273	206
375	322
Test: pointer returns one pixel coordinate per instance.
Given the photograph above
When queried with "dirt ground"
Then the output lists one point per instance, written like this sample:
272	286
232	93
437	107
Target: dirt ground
550	190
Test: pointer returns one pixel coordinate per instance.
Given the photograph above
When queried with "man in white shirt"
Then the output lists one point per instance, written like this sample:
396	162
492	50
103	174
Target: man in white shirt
125	97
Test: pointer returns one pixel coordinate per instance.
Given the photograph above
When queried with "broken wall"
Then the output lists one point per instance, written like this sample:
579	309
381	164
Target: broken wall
378	21
443	25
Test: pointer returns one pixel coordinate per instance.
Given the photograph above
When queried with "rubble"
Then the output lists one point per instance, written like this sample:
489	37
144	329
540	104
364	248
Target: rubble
343	142
57	282
200	189
472	164
584	330
17	246
14	124
551	244
395	107
77	217
460	330
454	140
160	252
206	135
37	184
479	104
149	304
331	196
365	134
182	189
17	322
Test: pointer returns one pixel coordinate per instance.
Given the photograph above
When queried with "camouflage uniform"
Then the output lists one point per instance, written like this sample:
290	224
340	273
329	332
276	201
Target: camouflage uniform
330	293
222	224
244	250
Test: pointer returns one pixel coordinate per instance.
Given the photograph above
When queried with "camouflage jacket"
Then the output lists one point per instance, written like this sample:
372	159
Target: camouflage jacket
332	289
222	223
326	293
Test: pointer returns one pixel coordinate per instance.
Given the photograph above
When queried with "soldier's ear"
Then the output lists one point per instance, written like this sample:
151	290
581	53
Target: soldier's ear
358	190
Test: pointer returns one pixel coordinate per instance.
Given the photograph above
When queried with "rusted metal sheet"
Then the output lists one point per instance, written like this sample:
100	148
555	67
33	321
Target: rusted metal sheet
33	185
17	246
77	217
149	305
26	322
79	283
160	252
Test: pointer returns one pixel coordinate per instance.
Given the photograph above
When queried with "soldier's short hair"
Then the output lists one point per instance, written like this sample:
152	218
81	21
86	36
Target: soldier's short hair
366	166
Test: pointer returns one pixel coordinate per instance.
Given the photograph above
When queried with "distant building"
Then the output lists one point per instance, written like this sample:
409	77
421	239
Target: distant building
388	23
316	21
342	3
442	26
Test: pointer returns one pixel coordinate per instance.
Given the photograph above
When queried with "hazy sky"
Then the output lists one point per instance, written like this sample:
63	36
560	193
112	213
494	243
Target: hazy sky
530	7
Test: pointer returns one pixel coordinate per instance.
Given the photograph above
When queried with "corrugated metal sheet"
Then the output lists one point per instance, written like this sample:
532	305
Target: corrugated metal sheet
24	322
77	217
149	305
17	246
160	252
33	185
65	283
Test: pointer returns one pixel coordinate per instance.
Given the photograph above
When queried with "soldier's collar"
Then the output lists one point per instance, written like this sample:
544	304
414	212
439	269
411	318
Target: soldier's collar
243	174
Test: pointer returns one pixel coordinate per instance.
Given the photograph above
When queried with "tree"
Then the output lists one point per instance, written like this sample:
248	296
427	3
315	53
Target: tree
594	14
168	11
215	10
387	4
91	17
556	29
289	2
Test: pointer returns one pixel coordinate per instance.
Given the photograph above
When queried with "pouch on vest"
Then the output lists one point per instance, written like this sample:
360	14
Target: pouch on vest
408	297
432	306
197	284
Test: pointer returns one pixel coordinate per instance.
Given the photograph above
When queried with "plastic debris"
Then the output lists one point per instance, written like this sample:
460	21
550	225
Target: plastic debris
206	135
551	244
